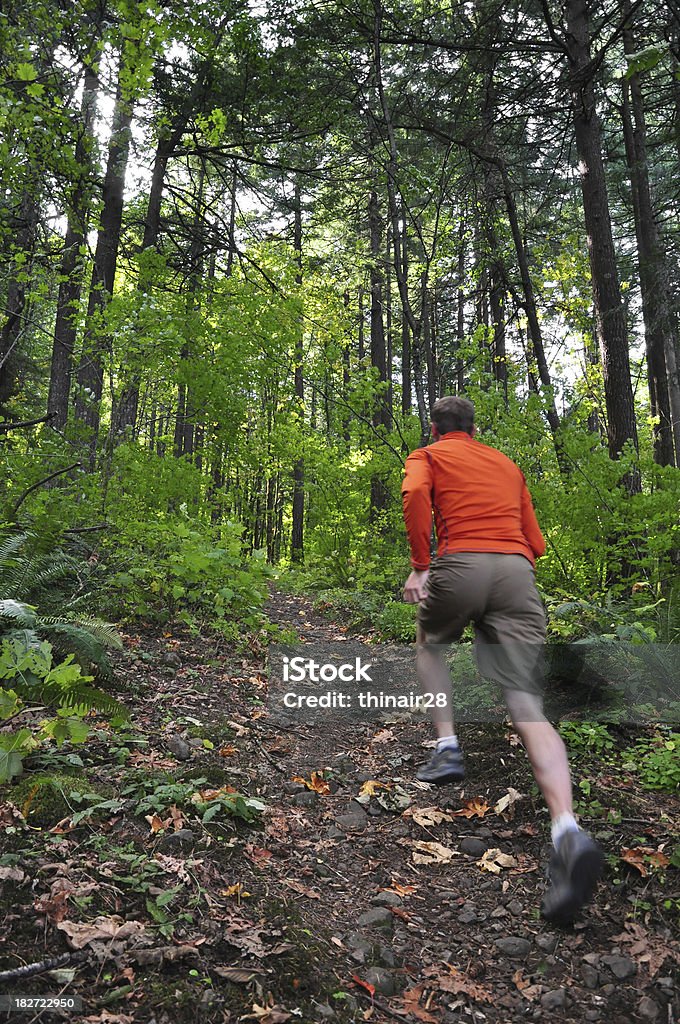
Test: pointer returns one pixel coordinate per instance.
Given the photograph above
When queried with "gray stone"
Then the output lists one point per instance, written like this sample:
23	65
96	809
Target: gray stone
293	787
374	810
307	799
468	915
357	940
386	956
179	747
555	999
514	946
472	847
379	917
334	833
593	958
355	817
381	979
387	899
171	660
183	839
499	912
622	967
547	942
608	990
484	833
592	1015
515	907
325	1011
322	870
195	742
590	976
648	1009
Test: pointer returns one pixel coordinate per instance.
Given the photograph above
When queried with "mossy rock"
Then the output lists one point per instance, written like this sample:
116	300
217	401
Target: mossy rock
44	798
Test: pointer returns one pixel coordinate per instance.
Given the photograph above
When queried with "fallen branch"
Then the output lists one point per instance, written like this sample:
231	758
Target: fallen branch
8	425
43	965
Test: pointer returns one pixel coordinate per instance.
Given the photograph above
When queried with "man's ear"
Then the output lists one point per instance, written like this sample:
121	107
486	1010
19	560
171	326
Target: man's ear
434	431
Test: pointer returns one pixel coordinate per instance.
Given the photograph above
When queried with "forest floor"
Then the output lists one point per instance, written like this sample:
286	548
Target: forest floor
412	904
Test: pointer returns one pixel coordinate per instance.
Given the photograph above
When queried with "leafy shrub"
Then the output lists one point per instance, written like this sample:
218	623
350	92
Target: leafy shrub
169	570
656	761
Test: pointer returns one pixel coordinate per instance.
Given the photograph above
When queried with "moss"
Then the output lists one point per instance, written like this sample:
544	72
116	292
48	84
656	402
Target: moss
44	799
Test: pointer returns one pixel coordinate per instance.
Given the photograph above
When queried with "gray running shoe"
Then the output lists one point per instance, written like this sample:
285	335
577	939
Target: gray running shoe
575	868
443	767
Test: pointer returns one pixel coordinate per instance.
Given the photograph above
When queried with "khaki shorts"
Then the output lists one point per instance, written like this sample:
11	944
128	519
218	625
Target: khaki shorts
497	593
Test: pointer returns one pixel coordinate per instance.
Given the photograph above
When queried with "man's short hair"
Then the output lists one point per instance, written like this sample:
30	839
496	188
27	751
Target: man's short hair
453	413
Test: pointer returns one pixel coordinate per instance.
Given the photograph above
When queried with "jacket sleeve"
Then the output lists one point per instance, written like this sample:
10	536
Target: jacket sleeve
530	527
416	491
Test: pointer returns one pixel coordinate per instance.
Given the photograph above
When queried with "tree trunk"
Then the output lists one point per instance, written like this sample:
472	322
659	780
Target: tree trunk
26	223
91	368
298	511
609	309
656	302
381	417
72	265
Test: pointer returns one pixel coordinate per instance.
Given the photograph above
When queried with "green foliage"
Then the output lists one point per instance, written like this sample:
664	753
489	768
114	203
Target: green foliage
656	761
169	570
27	665
586	736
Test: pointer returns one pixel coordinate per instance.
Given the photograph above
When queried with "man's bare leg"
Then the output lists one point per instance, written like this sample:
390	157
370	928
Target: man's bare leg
434	678
546	750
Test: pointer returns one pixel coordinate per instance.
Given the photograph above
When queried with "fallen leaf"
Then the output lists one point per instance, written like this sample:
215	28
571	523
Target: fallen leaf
102	928
371	787
431	853
239	975
53	907
413	1008
303	889
383	736
506	804
644	857
258	854
235	890
267	1014
427	816
494	861
316	782
156	823
473	808
365	984
12	875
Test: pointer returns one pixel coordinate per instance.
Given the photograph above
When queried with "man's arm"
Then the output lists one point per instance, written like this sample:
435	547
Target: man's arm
416	491
530	527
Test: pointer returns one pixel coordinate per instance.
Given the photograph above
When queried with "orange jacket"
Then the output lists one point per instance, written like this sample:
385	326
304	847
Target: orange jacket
479	496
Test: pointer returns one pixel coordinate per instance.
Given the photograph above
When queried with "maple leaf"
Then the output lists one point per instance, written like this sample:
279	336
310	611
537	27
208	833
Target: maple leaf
371	786
316	782
644	857
412	1005
494	861
473	808
458	982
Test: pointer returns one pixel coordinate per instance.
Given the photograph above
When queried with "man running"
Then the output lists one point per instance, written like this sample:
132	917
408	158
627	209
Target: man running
488	539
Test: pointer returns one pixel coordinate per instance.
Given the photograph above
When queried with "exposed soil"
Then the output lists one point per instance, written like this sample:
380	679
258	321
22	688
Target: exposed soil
320	907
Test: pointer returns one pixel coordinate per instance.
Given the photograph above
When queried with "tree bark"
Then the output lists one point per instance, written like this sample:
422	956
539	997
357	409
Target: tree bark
609	310
91	367
298	510
72	264
26	223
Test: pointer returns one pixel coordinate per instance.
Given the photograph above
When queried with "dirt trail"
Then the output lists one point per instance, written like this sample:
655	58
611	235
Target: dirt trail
359	895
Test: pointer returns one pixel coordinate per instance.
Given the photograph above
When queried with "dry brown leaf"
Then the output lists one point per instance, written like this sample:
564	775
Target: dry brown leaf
644	857
383	736
53	907
431	853
427	816
12	875
412	1005
458	982
156	823
364	984
402	890
267	1014
303	889
227	750
239	975
258	854
315	782
494	861
475	808
506	804
102	928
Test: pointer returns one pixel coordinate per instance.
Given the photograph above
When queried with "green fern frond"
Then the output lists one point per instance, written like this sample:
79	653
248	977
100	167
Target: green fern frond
16	614
104	632
11	545
67	638
80	698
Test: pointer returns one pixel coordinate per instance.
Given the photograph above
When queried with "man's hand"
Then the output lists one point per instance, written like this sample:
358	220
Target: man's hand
416	586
